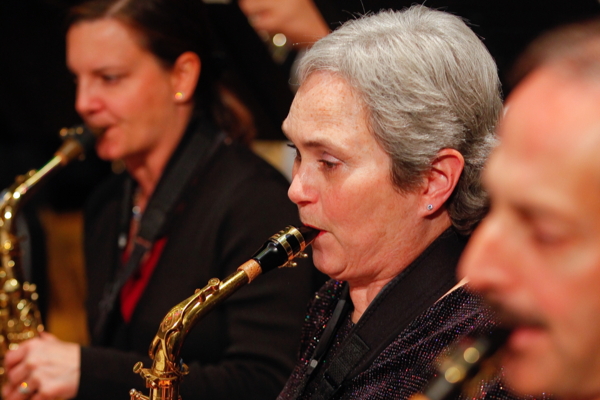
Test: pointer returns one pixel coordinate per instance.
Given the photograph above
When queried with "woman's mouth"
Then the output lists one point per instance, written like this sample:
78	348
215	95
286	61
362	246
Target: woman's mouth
98	131
321	231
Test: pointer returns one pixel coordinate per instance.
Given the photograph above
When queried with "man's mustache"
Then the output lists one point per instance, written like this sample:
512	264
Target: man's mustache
511	318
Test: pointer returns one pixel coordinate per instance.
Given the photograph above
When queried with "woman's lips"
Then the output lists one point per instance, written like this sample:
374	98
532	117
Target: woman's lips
98	131
321	231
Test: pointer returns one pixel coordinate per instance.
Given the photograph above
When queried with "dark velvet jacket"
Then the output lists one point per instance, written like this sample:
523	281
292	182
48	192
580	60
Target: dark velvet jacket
246	347
403	365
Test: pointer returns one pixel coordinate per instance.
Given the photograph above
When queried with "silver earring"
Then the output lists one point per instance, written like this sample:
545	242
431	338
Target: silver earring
430	207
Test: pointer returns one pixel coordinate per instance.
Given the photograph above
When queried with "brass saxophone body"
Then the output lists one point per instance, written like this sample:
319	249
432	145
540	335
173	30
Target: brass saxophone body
167	371
19	315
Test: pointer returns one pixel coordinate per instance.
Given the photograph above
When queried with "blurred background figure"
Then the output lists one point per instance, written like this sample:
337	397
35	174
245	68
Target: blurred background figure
506	26
192	203
387	168
536	257
288	27
299	20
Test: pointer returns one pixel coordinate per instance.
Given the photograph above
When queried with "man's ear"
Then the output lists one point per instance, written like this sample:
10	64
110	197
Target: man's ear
442	179
185	75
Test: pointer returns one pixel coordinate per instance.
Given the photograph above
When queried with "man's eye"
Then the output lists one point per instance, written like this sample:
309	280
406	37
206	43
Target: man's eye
548	238
293	146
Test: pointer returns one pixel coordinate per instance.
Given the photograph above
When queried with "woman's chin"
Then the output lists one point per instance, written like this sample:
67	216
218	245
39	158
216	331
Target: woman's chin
109	146
106	155
320	260
107	151
327	265
325	257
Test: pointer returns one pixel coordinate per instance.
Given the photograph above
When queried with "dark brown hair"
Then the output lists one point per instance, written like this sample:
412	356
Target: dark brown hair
168	28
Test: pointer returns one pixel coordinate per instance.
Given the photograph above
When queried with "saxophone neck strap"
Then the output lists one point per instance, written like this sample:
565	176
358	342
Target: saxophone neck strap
200	143
190	156
412	292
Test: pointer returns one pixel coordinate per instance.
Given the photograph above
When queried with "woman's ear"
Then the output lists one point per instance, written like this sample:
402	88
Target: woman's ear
442	179
185	75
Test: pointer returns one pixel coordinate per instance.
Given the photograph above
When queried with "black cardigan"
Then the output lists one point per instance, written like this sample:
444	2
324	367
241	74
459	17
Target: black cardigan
246	347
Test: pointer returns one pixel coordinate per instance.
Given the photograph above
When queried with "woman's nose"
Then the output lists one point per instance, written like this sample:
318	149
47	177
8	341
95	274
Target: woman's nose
301	192
86	101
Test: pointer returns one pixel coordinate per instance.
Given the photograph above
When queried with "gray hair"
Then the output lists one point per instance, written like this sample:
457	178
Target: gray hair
428	83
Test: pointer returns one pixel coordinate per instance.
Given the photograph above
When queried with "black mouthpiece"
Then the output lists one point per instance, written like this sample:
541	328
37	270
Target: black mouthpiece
284	246
309	234
80	133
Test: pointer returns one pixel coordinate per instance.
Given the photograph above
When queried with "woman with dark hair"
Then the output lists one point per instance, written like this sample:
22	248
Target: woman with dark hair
192	204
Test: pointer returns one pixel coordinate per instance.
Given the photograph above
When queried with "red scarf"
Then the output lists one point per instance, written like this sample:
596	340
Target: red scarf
134	287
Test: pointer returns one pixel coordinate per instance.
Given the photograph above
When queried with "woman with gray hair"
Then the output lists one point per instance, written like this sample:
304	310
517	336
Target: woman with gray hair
392	123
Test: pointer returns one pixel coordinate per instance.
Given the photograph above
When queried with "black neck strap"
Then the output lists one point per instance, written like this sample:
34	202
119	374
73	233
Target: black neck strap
341	309
404	298
200	142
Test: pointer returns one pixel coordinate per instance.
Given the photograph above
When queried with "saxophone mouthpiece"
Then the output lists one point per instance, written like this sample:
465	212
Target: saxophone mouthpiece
284	246
77	141
309	234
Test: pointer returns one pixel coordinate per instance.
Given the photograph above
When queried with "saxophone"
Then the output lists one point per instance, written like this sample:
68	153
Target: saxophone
19	315
167	371
471	360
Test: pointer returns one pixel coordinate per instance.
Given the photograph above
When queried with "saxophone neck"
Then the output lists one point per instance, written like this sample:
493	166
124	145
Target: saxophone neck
167	369
76	141
13	197
165	349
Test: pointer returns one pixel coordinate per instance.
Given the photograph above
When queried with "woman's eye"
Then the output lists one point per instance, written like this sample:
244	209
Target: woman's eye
111	79
328	164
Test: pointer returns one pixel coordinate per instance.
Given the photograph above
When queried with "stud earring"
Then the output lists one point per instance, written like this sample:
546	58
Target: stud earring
179	96
430	207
